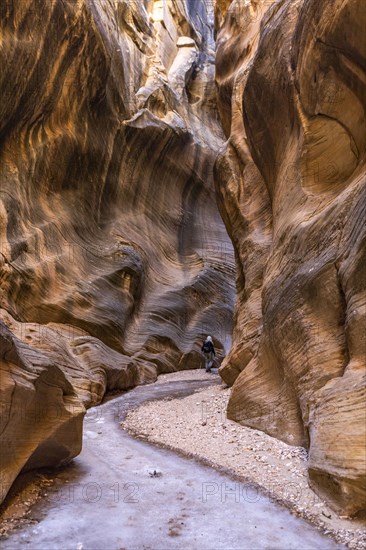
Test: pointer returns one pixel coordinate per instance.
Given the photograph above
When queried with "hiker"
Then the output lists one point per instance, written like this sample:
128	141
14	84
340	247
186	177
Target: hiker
209	353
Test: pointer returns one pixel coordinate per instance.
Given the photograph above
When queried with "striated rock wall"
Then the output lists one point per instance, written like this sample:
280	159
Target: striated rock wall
114	259
291	79
41	416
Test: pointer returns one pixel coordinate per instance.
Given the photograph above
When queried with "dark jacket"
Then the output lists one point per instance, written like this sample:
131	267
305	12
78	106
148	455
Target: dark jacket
208	347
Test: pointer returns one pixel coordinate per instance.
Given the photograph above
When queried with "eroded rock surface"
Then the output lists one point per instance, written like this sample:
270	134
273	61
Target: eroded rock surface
291	183
41	416
114	259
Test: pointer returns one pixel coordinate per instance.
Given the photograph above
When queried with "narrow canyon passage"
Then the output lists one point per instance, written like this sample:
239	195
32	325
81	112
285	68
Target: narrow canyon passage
169	170
110	498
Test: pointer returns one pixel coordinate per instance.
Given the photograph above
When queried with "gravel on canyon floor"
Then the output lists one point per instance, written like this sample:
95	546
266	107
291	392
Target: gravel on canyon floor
197	426
28	489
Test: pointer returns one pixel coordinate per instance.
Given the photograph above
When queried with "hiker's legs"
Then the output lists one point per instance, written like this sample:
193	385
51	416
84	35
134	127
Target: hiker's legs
209	359
207	362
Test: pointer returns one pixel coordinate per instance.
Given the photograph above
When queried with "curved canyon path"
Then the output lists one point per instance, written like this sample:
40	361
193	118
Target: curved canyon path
121	493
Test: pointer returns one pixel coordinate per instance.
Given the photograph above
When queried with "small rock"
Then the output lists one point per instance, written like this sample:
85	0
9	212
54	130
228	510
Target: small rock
155	473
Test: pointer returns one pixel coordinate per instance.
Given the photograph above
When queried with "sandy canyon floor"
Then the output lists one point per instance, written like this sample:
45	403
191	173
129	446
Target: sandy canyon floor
124	493
197	426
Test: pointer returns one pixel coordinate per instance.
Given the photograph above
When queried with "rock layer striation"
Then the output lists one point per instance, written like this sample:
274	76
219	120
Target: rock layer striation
291	184
114	258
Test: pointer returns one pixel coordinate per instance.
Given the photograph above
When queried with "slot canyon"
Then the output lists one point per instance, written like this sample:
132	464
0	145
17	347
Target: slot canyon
172	169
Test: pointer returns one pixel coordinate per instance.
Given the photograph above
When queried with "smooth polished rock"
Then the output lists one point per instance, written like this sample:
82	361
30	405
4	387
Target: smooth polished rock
115	262
41	417
291	184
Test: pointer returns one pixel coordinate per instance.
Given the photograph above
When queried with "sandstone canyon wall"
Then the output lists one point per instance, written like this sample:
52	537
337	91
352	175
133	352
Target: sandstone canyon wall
291	78
114	258
115	261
